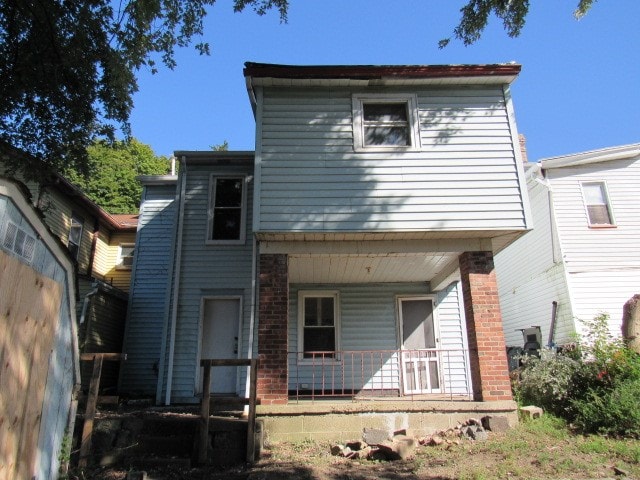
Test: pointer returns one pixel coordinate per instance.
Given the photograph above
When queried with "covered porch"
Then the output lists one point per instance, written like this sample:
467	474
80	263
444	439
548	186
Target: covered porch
410	320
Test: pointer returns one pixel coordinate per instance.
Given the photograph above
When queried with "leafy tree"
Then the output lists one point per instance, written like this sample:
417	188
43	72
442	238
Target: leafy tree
112	183
513	13
68	69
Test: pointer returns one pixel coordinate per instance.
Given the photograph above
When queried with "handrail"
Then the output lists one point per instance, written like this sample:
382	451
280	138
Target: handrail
203	438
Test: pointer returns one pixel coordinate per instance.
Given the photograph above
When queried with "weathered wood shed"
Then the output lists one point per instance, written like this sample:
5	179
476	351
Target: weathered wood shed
38	342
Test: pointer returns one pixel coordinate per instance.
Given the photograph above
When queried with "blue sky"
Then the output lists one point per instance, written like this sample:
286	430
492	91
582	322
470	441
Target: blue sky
579	88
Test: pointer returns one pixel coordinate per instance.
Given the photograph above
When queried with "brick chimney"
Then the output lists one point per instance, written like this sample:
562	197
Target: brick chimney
523	147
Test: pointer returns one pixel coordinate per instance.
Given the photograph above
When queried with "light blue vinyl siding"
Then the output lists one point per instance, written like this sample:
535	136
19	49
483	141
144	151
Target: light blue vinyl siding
208	271
369	322
149	289
311	179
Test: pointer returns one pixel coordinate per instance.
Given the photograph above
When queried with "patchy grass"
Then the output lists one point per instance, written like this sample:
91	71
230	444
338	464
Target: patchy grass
539	449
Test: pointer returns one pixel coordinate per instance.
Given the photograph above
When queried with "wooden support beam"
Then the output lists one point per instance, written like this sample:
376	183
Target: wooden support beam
251	427
203	441
90	413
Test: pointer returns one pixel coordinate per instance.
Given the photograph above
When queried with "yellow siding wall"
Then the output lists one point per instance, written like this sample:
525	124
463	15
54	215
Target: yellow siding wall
106	259
58	211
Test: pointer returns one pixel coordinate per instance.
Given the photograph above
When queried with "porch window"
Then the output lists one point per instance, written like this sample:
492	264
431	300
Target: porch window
597	203
75	234
226	210
385	122
318	324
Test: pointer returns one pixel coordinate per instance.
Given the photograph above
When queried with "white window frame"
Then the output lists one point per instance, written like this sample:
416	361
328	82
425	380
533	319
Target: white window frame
605	193
76	221
302	295
120	265
411	100
210	210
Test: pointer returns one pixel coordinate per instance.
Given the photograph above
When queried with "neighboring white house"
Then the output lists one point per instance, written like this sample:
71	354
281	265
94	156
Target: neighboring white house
584	251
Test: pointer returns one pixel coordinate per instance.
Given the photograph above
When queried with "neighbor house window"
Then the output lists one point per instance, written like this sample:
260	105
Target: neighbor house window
226	210
597	203
125	256
319	324
75	235
385	122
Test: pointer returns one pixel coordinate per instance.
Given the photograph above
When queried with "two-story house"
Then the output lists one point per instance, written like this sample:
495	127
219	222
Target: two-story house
352	252
583	258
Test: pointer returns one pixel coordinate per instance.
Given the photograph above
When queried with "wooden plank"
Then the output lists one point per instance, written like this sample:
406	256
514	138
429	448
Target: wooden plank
232	362
233	401
109	357
251	427
103	399
203	440
87	429
29	313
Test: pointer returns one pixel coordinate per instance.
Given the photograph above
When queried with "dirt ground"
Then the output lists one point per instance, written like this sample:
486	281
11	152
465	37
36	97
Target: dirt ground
515	454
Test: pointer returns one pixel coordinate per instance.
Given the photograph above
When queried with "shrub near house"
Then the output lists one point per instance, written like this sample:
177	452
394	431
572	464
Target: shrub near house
596	386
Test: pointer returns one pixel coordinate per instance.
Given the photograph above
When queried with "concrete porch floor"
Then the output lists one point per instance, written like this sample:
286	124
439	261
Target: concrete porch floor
343	420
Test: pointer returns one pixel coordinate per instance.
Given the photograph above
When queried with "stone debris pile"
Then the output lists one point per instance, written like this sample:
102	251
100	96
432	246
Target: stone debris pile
379	444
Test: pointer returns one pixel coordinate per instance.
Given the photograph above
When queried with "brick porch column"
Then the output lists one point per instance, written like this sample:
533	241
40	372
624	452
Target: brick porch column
488	357
273	313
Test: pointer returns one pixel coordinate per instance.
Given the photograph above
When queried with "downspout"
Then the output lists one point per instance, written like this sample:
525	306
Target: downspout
176	283
94	246
252	321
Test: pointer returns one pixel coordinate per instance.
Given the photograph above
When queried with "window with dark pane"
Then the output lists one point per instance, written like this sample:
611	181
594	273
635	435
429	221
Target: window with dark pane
226	209
75	235
319	325
598	208
386	124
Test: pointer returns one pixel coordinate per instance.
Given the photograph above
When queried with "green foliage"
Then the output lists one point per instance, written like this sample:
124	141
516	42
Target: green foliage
68	70
546	381
513	14
595	386
112	182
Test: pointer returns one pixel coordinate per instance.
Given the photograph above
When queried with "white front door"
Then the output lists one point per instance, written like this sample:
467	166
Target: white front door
420	362
220	322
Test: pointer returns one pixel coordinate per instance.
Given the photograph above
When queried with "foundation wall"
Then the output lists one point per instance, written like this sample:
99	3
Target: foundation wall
343	422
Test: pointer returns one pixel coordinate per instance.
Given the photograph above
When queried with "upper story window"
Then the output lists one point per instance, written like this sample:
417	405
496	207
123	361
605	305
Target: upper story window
227	206
597	203
386	122
125	256
319	324
75	234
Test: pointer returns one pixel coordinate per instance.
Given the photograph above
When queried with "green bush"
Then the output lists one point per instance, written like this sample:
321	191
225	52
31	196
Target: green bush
546	381
595	386
613	411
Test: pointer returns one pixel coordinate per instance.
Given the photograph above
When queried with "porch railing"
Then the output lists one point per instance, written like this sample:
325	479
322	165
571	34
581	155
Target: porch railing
380	374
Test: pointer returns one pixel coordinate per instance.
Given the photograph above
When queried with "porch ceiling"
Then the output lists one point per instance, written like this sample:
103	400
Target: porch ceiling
372	268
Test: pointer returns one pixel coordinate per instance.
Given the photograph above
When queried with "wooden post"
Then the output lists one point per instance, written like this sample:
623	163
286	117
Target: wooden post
251	428
203	444
92	400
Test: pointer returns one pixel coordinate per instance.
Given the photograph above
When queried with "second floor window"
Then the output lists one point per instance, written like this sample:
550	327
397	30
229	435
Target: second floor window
597	203
75	235
226	210
385	122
